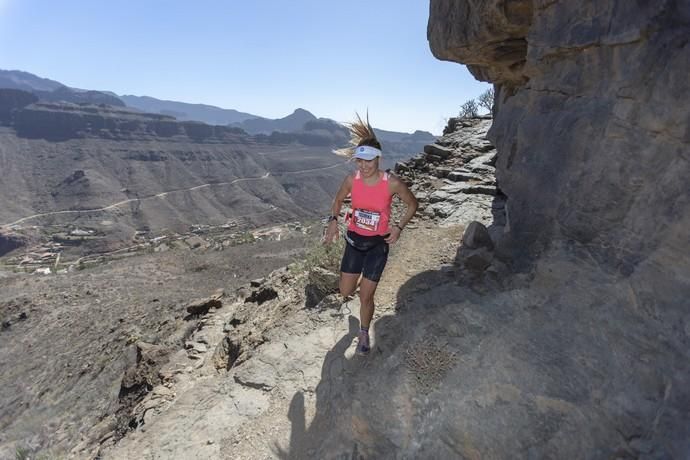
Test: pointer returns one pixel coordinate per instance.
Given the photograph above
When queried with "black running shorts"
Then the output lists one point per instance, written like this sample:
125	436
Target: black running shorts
366	255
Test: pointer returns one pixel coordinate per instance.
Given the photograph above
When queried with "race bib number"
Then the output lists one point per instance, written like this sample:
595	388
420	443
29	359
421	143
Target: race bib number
366	220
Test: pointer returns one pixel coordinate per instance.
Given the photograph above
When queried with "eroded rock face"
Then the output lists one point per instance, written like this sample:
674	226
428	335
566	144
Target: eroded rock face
591	127
488	36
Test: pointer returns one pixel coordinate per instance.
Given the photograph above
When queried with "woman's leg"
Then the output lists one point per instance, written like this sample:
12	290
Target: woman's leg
350	270
374	263
367	288
348	283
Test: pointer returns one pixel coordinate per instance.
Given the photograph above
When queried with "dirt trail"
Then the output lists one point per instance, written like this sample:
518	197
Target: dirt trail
300	357
423	246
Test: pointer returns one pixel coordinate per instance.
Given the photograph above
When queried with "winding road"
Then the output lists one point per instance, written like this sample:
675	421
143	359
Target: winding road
164	194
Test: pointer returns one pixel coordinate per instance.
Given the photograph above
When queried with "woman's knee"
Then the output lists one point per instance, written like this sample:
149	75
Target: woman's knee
346	291
367	289
366	297
347	286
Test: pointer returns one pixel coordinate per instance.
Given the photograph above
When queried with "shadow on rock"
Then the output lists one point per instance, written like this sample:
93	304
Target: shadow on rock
332	371
554	365
359	398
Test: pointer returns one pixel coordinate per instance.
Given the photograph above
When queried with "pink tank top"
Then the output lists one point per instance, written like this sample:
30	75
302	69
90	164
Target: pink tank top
371	207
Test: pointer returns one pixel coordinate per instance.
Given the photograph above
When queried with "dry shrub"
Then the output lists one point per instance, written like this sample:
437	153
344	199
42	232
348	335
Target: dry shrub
428	362
326	256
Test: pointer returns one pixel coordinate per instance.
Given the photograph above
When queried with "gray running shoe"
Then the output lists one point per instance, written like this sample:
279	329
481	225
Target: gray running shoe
363	343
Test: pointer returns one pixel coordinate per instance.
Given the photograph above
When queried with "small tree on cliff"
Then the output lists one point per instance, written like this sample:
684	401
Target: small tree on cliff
486	100
469	109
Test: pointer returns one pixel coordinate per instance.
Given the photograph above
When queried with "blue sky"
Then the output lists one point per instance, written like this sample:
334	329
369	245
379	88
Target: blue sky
265	57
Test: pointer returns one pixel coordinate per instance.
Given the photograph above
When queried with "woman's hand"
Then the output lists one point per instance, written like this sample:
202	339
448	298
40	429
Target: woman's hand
394	235
331	232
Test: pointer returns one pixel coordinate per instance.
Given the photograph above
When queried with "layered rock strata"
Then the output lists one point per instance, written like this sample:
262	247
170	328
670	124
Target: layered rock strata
454	178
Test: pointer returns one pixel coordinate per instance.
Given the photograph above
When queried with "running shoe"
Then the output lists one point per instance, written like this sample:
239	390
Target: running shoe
363	343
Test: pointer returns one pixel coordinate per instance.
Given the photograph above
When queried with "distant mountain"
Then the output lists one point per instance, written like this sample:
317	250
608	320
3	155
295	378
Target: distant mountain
32	118
16	79
293	122
187	112
304	128
394	136
300	127
79	96
53	91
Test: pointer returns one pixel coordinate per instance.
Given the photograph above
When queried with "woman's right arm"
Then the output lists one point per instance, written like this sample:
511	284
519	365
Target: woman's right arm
343	192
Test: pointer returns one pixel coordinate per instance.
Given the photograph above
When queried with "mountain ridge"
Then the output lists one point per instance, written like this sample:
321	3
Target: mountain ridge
55	91
187	111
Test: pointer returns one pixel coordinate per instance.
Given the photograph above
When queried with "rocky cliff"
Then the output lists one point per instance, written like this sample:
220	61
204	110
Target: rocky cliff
53	91
59	121
592	132
591	118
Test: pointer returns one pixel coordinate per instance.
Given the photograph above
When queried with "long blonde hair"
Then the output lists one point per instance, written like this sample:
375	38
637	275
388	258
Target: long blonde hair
361	133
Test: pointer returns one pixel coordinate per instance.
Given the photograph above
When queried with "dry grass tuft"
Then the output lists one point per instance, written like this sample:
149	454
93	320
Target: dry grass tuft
428	362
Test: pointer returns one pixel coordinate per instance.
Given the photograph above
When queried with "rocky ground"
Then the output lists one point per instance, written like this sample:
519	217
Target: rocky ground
68	339
469	359
141	354
254	362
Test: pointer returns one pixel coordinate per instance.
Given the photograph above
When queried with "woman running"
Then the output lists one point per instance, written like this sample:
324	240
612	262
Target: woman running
369	230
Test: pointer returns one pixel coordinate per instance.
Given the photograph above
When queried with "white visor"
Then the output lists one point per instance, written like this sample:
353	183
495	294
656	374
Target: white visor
364	152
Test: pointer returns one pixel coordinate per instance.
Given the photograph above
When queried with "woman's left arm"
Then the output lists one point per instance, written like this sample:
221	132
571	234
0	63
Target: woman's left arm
399	188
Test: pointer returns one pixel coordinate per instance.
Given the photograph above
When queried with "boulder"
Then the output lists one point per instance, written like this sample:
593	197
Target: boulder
476	260
458	176
256	374
257	282
431	158
202	306
438	150
320	283
261	295
477	236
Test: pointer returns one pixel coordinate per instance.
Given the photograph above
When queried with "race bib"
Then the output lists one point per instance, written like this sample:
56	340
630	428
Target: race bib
366	220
